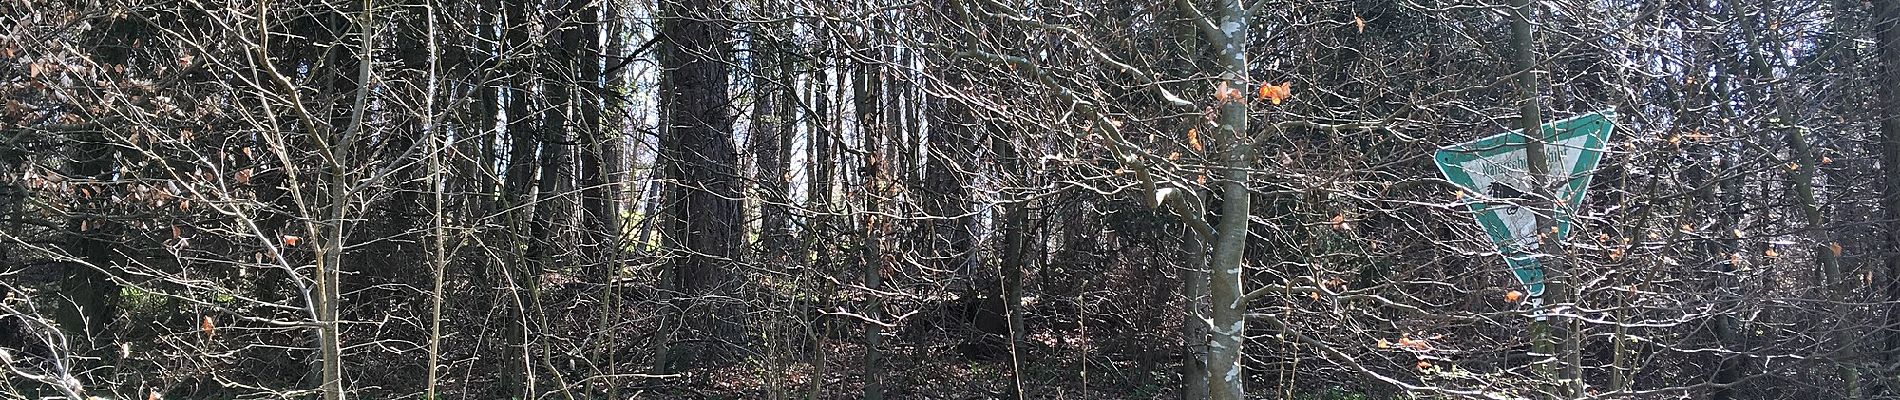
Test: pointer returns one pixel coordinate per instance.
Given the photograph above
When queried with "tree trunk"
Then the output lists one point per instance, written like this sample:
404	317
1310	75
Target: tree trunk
1227	378
600	162
1762	58
821	167
820	173
94	294
771	137
1718	197
564	165
611	191
1194	322
1194	273
436	174
517	195
1015	243
332	224
552	205
698	156
1559	339
1887	37
867	88
946	194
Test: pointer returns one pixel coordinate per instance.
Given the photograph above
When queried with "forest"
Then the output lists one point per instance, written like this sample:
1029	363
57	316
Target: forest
950	199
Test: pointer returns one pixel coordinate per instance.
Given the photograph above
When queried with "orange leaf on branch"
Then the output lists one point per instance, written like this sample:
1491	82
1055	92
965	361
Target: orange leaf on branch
1276	94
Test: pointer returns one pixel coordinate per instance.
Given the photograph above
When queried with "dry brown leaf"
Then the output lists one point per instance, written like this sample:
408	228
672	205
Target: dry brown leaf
208	326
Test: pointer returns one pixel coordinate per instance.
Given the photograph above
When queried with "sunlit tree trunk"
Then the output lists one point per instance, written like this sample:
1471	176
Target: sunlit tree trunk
436	175
1225	358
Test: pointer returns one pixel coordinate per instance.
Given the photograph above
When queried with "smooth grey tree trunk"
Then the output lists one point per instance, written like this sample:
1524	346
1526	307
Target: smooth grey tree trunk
1227	379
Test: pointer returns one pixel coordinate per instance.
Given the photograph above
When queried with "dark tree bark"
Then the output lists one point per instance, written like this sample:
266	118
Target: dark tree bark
1887	37
947	172
553	206
819	190
600	164
948	168
1194	328
1720	190
698	155
391	233
1015	244
599	168
94	295
773	114
522	143
518	195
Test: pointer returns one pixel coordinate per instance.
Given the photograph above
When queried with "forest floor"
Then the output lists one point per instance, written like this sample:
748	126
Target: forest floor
939	372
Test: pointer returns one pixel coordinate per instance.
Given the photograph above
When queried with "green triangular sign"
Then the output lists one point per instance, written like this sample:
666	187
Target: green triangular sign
1492	172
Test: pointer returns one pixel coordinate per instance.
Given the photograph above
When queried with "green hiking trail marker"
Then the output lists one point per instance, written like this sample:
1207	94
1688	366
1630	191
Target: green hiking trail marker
1497	185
